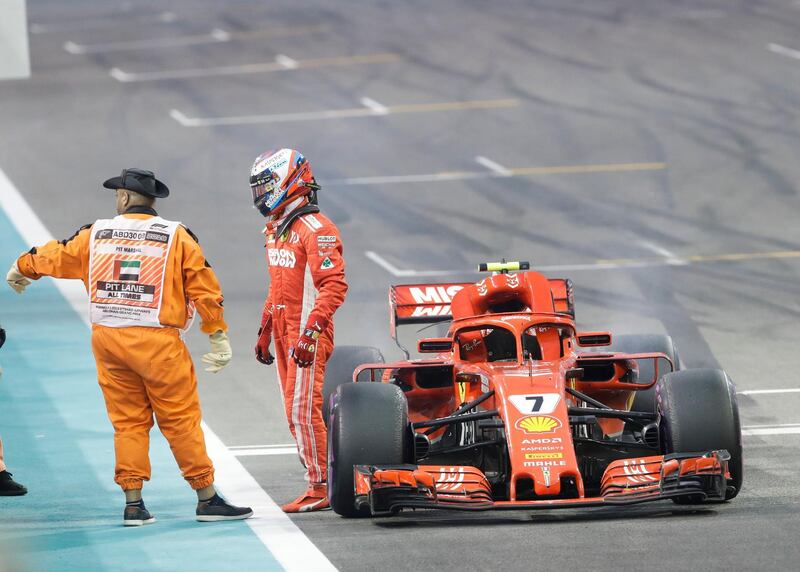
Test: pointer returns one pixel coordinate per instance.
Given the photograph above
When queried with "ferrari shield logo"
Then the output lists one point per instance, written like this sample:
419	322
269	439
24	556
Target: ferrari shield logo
538	424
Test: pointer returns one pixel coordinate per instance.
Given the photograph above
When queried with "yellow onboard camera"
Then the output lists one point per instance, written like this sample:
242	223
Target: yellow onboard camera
504	267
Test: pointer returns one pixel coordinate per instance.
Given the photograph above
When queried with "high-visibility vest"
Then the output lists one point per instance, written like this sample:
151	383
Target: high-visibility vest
127	264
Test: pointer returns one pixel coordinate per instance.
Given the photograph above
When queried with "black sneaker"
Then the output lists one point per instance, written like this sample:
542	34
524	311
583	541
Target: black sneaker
216	508
9	487
137	515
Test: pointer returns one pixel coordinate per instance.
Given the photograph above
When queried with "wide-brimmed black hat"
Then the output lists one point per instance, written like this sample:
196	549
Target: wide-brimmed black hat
139	181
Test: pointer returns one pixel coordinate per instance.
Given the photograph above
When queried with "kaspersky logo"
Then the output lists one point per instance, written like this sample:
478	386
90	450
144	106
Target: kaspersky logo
127	270
538	424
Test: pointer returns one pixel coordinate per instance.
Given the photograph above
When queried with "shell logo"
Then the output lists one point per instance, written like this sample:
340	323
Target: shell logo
538	424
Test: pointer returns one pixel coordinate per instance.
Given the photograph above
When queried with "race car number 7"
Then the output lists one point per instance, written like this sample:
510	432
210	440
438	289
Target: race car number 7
538	403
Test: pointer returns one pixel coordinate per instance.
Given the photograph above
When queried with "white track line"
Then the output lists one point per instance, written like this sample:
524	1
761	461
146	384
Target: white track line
33	232
276	118
286	542
277	532
244	447
493	166
408	273
621	264
163	17
668	255
425	178
496	170
263	452
286	62
214	36
768	391
371	111
378	108
784	51
281	63
782	429
180	118
265	67
386	265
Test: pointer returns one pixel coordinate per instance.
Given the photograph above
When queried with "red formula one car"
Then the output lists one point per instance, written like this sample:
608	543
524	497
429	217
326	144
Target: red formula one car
517	410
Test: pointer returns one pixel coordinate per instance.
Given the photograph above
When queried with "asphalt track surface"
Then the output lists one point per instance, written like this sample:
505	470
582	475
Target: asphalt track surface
661	136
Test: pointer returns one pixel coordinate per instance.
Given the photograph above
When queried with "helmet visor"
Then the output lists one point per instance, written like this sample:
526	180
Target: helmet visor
268	197
262	187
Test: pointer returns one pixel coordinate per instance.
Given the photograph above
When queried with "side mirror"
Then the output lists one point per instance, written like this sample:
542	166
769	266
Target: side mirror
594	339
434	345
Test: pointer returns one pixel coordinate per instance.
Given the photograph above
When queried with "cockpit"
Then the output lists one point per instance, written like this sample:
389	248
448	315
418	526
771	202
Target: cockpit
495	343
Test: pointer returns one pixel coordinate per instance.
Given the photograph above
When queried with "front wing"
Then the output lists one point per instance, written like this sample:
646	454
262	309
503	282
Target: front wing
387	489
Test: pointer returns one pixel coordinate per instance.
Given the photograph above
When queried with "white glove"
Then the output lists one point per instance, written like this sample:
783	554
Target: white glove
16	279
220	354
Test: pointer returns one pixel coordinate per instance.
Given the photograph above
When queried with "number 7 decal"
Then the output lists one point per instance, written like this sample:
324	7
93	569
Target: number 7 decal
536	404
537	400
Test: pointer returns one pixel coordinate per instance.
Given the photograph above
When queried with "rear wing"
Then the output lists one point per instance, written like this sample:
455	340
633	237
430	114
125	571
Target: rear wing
430	303
421	303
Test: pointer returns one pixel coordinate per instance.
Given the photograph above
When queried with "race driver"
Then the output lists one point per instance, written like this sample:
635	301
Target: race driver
145	277
307	285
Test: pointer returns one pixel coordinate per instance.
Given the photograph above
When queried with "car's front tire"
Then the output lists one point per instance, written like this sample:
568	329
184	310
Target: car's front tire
368	426
698	412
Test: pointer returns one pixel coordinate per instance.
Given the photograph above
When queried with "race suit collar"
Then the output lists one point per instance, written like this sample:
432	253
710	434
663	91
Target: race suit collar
293	216
280	226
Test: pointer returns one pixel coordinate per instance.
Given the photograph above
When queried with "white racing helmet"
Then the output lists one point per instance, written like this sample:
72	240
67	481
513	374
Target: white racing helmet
279	177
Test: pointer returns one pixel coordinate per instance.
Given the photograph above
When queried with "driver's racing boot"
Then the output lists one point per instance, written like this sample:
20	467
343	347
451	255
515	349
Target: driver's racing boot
315	498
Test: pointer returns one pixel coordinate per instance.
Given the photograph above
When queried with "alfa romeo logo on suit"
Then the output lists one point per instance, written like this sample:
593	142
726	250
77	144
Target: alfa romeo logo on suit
538	424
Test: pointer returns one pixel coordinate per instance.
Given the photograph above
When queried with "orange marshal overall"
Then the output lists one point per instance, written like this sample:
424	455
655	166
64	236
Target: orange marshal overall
145	277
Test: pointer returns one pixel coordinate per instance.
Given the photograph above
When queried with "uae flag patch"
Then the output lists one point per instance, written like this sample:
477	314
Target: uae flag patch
127	270
326	264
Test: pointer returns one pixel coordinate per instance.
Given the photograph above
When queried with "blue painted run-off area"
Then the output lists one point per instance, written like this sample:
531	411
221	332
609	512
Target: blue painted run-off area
59	443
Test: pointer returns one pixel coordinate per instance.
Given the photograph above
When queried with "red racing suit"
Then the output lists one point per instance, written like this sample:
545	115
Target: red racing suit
307	276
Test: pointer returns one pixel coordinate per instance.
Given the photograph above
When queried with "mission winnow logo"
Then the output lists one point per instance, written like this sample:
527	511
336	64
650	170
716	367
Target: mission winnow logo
127	270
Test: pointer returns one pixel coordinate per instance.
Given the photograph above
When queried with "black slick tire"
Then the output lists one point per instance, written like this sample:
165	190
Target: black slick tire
368	426
340	367
698	412
645	400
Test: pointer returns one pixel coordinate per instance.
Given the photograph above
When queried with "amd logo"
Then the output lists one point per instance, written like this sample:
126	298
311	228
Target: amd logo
543	441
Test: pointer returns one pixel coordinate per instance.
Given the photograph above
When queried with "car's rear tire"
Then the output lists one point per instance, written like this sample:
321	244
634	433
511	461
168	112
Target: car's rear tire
340	367
698	412
645	399
368	426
